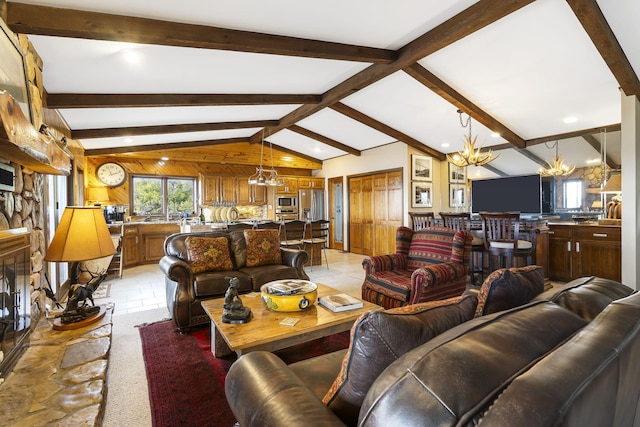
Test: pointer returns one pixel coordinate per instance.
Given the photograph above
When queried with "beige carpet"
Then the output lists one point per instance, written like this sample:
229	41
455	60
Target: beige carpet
127	396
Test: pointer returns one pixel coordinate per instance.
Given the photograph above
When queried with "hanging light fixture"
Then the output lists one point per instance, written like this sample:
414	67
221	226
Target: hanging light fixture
556	167
470	155
262	177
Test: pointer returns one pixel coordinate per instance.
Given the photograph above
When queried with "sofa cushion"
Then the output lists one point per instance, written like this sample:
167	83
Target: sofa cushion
430	246
263	247
208	254
507	288
587	296
380	337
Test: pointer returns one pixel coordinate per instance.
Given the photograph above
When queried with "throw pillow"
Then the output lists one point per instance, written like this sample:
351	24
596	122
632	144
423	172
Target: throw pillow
380	337
208	254
430	246
508	288
263	247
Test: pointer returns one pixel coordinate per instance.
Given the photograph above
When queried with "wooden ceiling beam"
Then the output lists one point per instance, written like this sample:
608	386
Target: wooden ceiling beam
445	91
124	100
325	140
159	129
578	133
593	141
387	130
594	23
52	21
472	19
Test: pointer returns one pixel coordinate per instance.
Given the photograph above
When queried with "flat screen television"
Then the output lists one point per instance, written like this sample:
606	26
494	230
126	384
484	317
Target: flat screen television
521	193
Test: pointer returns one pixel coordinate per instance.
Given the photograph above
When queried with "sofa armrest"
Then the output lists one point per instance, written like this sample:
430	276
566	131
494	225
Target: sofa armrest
434	276
295	258
176	269
373	264
263	391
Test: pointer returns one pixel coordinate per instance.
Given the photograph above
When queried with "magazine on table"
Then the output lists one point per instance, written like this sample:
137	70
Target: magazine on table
340	302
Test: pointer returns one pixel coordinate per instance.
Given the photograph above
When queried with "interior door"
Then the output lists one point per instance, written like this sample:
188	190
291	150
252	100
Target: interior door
336	211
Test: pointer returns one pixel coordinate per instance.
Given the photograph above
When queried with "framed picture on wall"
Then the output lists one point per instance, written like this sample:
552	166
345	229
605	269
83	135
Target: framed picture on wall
457	195
13	76
421	194
421	168
457	175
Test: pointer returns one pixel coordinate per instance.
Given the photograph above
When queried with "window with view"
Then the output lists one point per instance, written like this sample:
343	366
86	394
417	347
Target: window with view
573	194
163	195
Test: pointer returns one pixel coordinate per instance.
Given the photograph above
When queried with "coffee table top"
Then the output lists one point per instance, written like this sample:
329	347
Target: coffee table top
264	328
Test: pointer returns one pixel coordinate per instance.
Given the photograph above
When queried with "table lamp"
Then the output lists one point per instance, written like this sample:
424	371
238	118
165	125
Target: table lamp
97	195
81	235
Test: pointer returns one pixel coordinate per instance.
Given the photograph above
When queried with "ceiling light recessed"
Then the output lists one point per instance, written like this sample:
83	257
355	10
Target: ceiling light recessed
128	140
445	145
495	135
164	158
131	56
571	119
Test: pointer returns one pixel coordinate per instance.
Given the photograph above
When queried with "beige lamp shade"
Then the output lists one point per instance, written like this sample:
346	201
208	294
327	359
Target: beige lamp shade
81	235
97	194
613	185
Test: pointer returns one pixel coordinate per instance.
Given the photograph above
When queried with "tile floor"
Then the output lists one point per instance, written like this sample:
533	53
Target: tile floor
142	288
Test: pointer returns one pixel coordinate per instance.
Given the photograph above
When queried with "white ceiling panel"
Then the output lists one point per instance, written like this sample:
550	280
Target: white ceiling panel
167	69
95	143
345	130
93	118
531	70
304	145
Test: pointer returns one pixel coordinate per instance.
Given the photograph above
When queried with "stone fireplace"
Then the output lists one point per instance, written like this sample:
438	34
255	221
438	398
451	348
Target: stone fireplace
15	296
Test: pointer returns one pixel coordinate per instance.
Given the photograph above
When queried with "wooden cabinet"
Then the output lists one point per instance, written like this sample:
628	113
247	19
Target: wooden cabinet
130	251
307	183
577	250
317	183
290	185
218	188
251	194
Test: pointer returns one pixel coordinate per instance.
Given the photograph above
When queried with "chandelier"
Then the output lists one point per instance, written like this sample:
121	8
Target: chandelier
470	155
265	177
556	167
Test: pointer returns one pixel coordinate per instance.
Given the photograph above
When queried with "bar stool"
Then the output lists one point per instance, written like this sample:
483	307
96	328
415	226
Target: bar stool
501	231
462	221
420	220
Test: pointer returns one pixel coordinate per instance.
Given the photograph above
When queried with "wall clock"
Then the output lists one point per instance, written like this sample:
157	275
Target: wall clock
111	174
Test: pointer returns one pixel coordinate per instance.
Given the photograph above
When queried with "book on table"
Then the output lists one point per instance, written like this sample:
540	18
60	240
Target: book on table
340	302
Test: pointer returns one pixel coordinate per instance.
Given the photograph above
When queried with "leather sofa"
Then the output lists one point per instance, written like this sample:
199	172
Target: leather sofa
568	357
186	287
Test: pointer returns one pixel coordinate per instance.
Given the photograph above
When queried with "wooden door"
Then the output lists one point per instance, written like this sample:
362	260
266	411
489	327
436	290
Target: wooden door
368	232
598	252
560	248
355	216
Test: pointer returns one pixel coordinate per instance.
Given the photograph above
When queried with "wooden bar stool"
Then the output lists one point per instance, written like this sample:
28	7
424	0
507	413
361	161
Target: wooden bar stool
420	220
462	221
501	231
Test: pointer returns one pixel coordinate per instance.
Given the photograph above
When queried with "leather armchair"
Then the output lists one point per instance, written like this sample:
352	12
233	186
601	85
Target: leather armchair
429	264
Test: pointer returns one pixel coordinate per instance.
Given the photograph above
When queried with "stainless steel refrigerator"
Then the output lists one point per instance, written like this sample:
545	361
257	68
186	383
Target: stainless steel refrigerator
311	205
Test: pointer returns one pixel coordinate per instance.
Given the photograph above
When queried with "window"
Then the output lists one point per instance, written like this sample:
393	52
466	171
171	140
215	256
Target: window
162	195
572	194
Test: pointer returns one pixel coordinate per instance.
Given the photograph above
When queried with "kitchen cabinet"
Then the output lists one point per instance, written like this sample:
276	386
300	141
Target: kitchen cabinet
308	183
152	237
218	188
290	185
228	189
317	183
251	194
130	251
577	250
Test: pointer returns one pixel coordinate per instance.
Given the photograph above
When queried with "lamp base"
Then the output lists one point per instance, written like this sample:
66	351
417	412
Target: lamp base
58	325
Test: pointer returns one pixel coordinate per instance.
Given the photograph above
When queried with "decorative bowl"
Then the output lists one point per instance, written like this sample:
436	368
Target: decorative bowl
289	294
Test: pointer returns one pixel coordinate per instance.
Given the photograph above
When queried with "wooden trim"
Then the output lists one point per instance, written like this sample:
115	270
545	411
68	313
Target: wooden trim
325	140
52	21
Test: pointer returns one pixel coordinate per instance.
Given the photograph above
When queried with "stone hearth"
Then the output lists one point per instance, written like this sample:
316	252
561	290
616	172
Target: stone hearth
61	379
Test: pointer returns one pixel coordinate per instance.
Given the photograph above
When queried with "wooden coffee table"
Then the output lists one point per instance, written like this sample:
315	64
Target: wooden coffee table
264	331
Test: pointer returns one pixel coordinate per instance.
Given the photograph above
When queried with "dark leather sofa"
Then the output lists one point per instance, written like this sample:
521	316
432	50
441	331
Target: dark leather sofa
569	357
185	290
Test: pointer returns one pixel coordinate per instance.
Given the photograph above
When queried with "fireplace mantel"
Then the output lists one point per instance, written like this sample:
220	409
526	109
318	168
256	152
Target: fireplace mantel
21	143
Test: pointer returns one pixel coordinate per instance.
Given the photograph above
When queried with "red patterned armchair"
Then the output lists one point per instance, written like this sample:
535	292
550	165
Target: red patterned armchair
429	264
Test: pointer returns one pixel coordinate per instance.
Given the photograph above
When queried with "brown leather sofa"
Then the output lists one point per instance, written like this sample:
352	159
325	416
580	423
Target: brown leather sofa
567	358
186	289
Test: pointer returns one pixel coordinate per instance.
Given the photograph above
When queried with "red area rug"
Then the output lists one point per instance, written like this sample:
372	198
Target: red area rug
186	383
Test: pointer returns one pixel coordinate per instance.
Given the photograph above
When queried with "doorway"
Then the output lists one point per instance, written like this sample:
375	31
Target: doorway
336	213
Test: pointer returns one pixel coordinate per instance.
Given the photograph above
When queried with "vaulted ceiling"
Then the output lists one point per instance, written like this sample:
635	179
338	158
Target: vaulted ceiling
333	78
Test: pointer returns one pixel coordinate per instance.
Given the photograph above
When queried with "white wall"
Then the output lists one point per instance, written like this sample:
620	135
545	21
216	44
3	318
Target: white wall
391	156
